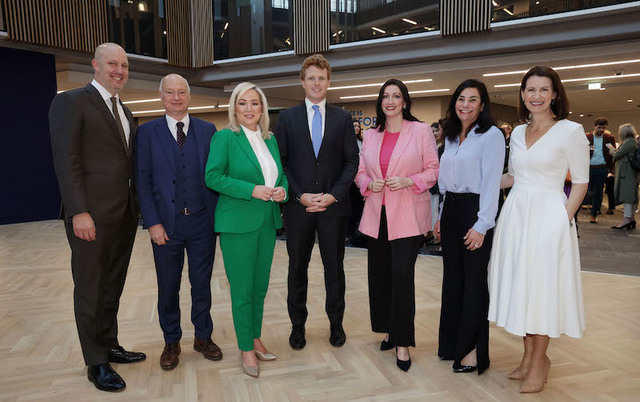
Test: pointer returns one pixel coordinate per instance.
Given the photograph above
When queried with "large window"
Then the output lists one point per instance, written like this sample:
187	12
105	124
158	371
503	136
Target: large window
515	9
138	26
353	20
2	26
251	27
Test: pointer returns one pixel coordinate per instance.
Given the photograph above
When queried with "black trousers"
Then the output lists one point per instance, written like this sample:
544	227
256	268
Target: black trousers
392	296
465	293
99	269
301	229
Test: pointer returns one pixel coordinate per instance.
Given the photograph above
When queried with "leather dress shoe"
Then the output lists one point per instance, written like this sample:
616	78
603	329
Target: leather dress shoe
119	355
386	345
459	368
169	358
208	348
105	378
338	337
296	339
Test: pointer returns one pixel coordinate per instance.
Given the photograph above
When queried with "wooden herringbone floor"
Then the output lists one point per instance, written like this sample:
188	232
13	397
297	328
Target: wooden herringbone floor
41	360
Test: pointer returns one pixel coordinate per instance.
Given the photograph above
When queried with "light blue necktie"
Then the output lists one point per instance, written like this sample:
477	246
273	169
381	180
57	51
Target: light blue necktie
316	129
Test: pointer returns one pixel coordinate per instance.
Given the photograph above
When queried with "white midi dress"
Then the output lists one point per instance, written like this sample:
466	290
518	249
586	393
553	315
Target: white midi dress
534	272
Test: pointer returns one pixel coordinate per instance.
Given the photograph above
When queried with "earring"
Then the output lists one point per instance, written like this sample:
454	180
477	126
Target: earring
404	107
553	101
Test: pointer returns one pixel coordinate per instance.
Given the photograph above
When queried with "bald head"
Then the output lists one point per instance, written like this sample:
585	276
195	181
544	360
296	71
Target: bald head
173	78
175	95
111	67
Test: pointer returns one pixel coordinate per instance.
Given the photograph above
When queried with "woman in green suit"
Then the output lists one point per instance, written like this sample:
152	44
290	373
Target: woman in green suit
244	167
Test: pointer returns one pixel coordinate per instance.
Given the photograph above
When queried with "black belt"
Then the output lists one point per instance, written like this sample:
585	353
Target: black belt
187	211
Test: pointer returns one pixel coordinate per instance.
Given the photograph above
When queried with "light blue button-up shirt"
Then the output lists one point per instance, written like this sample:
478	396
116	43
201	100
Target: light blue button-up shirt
475	167
598	157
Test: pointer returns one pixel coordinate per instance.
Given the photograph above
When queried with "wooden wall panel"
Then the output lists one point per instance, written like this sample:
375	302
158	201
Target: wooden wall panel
464	16
178	32
79	25
311	26
202	33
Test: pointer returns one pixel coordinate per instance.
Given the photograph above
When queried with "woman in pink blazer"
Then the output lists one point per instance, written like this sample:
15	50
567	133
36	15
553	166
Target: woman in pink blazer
398	165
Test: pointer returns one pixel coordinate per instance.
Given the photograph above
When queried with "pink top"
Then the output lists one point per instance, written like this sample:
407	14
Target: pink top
388	144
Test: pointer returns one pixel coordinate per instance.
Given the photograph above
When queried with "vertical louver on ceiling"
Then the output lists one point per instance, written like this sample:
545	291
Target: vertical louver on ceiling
311	26
464	16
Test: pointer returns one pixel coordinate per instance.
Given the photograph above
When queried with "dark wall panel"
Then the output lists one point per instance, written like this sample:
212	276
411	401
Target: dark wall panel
28	187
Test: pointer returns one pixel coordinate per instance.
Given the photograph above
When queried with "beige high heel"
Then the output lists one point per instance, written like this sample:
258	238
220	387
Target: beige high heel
251	371
265	356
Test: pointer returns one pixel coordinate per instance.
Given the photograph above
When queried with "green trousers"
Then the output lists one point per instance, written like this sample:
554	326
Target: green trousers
247	261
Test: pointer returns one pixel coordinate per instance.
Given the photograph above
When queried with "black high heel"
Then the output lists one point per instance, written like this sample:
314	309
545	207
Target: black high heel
386	345
403	364
629	225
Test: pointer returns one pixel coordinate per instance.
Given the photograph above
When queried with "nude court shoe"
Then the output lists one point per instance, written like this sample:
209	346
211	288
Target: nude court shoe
265	357
251	371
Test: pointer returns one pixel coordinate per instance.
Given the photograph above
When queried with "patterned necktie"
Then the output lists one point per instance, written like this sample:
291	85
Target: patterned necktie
181	137
116	117
316	129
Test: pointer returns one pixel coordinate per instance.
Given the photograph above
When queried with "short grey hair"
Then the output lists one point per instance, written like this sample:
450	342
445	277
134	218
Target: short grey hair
173	75
627	131
240	90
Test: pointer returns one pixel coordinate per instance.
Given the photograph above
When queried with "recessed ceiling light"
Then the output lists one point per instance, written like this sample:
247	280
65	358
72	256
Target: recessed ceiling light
507	11
581	115
378	84
629	100
411	92
141	101
408	21
378	29
605	77
609	63
494	3
594	85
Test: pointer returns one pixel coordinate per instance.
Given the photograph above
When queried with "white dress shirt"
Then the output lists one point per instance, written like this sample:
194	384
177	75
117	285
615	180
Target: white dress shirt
173	125
106	96
311	112
260	149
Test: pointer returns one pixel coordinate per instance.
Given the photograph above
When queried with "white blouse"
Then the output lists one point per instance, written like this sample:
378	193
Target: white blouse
260	149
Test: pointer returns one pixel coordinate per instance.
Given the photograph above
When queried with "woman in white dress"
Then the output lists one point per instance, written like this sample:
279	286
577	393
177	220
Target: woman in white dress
534	274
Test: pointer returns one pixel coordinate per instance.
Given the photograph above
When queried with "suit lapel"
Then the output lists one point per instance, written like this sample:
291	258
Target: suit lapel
200	148
403	140
303	117
132	128
379	137
101	105
330	128
246	147
165	138
273	149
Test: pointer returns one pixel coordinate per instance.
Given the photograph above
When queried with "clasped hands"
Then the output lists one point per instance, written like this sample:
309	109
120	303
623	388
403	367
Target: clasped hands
266	193
316	202
394	183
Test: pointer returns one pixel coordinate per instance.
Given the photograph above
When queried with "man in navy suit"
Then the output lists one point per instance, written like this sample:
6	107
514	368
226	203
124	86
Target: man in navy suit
178	208
320	158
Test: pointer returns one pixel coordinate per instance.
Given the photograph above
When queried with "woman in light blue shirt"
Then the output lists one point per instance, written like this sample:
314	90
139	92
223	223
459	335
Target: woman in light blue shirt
470	171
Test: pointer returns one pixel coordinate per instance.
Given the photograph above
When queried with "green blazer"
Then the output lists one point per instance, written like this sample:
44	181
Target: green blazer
233	171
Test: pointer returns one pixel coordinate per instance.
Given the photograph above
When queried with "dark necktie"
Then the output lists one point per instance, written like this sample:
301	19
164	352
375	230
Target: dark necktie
116	117
181	137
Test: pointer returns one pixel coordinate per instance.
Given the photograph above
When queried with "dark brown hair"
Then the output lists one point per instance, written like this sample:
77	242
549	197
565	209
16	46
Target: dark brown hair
601	121
452	125
559	106
318	61
381	118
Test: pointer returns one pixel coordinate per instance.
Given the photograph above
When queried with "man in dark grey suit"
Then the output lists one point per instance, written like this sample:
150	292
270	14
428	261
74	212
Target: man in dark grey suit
320	158
92	135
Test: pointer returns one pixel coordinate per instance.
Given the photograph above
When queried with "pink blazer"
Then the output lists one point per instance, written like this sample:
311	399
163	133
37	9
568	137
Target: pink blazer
408	210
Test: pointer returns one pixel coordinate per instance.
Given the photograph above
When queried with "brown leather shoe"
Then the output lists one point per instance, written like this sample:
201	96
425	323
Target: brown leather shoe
208	348
169	358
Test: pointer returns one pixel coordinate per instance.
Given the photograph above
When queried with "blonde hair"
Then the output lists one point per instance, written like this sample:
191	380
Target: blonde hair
627	131
263	123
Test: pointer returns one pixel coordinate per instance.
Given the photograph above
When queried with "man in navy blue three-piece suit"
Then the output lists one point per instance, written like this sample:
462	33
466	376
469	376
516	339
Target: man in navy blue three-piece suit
178	209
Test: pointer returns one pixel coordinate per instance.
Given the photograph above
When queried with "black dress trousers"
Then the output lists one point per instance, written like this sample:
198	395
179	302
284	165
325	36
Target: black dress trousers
465	293
392	299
